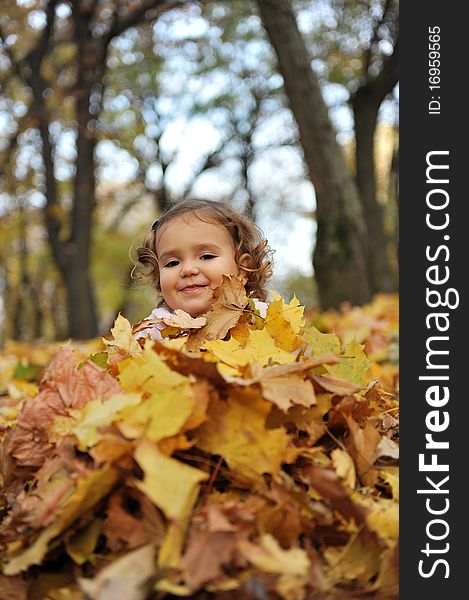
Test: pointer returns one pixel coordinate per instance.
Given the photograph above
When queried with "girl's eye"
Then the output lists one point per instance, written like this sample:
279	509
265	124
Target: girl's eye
172	263
207	256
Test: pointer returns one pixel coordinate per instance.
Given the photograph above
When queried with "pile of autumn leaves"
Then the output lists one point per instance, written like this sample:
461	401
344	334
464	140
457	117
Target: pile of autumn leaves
243	457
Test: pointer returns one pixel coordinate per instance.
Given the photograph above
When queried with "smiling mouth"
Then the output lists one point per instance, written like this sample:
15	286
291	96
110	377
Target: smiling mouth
193	289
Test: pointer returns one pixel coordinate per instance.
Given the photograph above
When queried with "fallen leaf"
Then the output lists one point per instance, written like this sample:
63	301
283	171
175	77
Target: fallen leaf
293	312
14	588
362	445
170	484
341	387
236	430
205	556
123	341
357	562
344	467
280	328
81	544
183	320
87	493
126	531
126	577
291	565
63	388
353	364
229	305
97	414
160	416
387	447
321	343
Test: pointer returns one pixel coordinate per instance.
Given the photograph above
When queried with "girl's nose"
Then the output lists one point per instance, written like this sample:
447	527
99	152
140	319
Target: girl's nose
188	268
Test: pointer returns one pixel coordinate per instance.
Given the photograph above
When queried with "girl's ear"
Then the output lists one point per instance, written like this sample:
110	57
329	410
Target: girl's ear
244	261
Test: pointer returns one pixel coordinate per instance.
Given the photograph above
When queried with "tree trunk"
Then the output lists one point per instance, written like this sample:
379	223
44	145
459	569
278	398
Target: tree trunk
340	255
72	255
365	109
80	303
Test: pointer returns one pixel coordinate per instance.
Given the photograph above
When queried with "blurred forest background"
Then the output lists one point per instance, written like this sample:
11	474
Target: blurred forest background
111	110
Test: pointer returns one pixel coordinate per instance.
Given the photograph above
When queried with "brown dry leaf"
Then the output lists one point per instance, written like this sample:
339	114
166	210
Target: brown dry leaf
285	385
217	520
331	488
341	387
205	556
362	445
183	320
63	388
14	588
288	391
125	531
348	406
282	517
110	449
304	419
54	482
89	490
230	302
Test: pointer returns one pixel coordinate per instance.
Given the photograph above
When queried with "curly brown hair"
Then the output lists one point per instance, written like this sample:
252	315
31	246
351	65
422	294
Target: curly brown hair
246	235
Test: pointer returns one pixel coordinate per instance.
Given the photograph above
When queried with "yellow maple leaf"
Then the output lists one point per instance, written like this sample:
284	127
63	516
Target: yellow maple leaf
123	340
230	302
236	430
148	373
170	484
260	347
321	343
99	413
353	365
280	328
293	312
161	415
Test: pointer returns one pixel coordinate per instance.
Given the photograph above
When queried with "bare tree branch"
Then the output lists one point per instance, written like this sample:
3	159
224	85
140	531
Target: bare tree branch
136	15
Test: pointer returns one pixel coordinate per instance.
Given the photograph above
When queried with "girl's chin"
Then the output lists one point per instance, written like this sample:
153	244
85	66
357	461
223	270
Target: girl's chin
196	311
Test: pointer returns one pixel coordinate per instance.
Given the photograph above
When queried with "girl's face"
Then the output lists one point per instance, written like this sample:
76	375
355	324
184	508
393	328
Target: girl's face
192	257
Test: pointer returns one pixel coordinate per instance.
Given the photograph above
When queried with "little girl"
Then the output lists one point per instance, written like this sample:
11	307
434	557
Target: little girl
188	250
